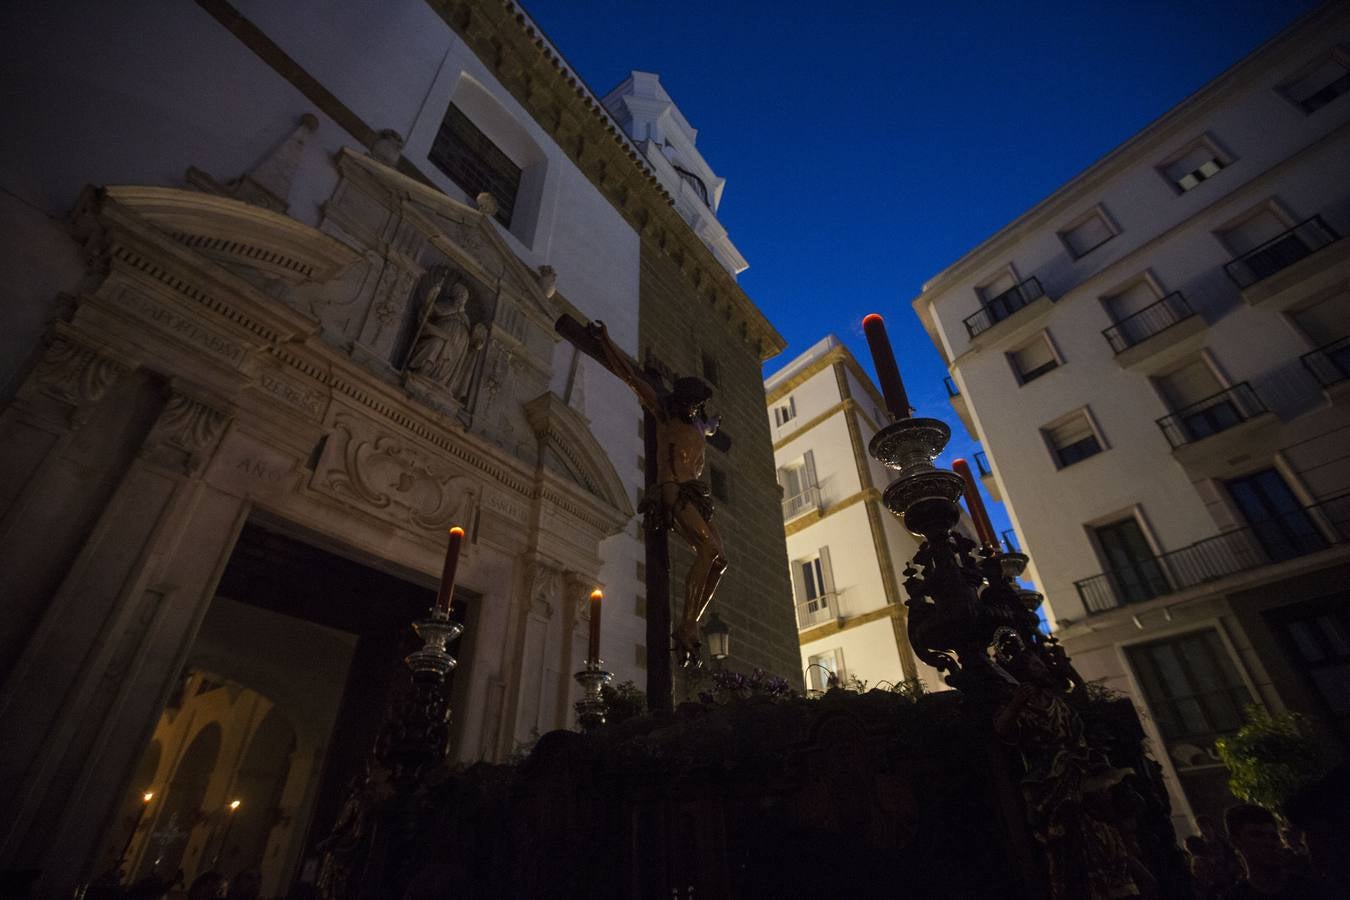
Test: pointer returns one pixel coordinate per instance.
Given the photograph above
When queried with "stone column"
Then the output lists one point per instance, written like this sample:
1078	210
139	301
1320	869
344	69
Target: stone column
83	698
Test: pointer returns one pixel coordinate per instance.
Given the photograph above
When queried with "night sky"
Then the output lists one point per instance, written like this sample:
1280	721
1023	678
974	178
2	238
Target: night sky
869	145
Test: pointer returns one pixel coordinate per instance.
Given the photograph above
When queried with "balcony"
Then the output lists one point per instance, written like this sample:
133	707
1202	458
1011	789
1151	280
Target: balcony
805	502
1221	412
1157	333
999	309
1330	363
959	406
818	611
1275	540
987	475
1299	264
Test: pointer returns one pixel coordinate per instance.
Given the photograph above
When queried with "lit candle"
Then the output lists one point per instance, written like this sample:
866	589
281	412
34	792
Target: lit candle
448	573
888	373
975	503
593	647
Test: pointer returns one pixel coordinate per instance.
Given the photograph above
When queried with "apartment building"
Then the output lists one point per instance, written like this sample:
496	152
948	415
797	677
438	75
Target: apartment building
845	549
1155	358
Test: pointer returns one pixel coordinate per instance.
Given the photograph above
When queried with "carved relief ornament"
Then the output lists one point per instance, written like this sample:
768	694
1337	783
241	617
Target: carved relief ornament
392	477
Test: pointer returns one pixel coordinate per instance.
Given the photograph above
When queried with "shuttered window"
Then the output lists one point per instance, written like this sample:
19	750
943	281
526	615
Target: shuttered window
1131	300
1324	83
1087	235
1253	232
999	286
1188	385
1196	165
1326	321
1072	440
1034	360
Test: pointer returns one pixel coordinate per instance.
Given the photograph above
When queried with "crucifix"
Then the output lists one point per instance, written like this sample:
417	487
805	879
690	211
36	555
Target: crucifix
675	429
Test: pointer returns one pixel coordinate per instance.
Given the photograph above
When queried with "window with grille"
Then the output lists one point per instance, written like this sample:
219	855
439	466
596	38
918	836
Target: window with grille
1193	166
1088	234
1072	439
472	161
1034	359
1191	685
1322	84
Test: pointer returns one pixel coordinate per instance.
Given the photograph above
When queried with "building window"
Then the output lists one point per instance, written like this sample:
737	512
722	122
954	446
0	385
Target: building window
640	606
1034	359
710	371
694	182
1317	640
813	586
785	412
640	655
800	491
1198	163
1321	84
825	670
1072	439
718	479
1087	234
475	163
1191	686
1278	521
1130	567
1257	229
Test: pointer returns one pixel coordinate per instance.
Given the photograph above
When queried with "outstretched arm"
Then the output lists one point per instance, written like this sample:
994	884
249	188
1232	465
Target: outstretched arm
617	362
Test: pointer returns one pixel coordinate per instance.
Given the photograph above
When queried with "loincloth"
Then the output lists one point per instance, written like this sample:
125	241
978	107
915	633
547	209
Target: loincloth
662	517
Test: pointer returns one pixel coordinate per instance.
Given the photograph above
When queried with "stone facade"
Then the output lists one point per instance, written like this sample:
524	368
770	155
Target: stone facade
282	320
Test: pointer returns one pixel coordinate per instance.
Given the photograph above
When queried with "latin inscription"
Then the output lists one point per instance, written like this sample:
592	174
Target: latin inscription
183	327
309	401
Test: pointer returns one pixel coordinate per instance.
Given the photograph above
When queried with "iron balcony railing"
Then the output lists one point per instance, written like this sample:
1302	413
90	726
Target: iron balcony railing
1281	252
818	611
1295	533
982	463
1212	415
996	309
807	501
1330	363
1151	320
952	389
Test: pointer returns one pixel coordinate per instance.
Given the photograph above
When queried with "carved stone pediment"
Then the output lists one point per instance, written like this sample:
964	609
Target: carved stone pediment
462	232
567	447
392	477
239	234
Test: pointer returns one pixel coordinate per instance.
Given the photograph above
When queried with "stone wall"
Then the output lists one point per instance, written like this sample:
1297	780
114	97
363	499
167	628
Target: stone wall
678	328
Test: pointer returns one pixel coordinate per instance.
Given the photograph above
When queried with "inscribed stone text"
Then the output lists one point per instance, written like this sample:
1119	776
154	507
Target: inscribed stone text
182	326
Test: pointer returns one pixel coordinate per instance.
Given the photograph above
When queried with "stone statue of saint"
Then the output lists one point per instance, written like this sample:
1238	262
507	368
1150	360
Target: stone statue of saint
685	501
448	343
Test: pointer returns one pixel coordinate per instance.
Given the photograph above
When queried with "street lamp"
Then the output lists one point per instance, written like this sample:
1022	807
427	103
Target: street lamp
718	634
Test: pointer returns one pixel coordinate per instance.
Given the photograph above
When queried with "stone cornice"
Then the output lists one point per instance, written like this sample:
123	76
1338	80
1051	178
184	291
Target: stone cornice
501	34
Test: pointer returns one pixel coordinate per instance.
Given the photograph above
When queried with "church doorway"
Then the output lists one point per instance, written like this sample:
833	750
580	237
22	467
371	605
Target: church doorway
276	709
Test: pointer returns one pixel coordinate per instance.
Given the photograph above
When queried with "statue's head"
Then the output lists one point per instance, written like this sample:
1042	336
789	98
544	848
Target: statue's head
689	395
459	296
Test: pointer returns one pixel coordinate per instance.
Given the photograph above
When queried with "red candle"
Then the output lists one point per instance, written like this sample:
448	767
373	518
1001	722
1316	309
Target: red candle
593	647
448	573
888	373
975	503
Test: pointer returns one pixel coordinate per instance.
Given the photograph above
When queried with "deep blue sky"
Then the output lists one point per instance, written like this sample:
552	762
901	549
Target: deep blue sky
868	145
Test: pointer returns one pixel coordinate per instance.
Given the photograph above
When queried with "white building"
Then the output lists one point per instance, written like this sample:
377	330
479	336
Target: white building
233	435
845	548
1155	358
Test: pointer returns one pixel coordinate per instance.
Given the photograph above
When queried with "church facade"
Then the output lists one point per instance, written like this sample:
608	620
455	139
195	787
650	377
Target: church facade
281	313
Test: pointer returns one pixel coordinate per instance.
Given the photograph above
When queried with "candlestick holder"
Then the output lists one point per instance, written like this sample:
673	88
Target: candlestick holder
436	633
591	708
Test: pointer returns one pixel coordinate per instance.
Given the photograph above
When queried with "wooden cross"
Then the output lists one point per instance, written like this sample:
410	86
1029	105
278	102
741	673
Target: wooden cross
655	540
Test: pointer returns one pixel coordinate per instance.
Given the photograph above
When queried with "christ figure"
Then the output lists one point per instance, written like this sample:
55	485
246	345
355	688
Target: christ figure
684	502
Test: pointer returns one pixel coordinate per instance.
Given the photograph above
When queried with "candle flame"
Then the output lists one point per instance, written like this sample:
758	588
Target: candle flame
457	530
234	804
597	594
148	796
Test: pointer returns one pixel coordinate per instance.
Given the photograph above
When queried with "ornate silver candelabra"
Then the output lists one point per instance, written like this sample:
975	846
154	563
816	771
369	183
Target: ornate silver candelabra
591	708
